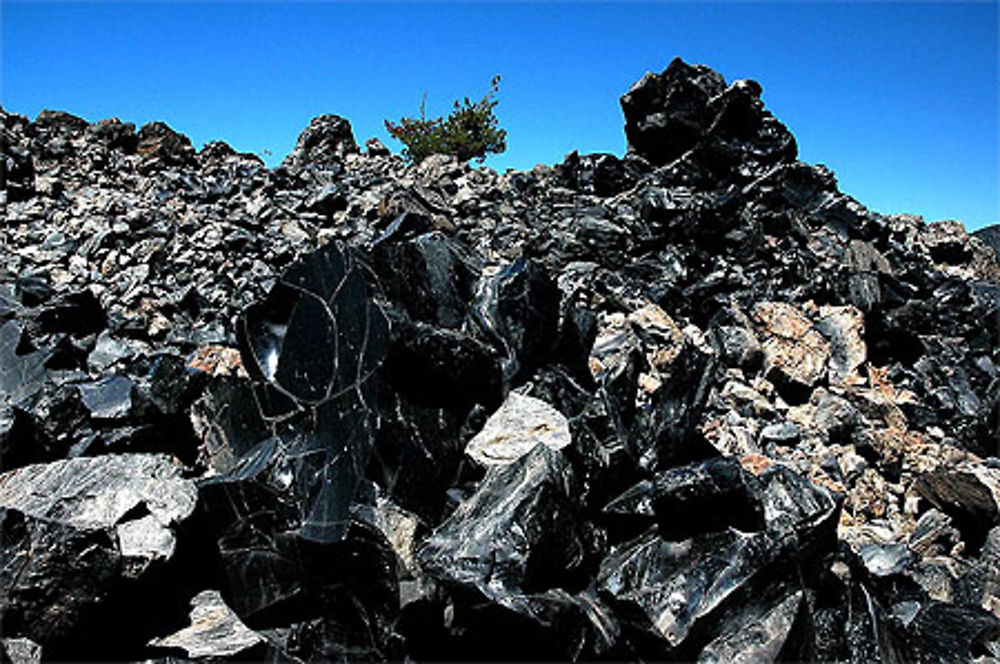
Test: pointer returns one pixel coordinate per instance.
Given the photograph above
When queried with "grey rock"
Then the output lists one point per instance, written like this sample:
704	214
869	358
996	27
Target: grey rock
109	398
75	530
990	235
99	493
215	631
785	433
21	651
843	327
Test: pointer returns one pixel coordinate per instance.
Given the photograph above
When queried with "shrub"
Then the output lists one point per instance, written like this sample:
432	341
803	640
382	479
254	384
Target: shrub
470	132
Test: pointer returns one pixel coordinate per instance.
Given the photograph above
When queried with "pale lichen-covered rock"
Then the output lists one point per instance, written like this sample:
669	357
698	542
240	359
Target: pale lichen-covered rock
521	423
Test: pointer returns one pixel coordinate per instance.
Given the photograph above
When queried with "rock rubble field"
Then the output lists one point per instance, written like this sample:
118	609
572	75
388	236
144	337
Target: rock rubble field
693	403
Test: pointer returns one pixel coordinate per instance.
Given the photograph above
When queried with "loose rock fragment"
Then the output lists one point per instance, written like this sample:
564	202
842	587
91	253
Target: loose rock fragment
843	327
521	423
21	651
215	631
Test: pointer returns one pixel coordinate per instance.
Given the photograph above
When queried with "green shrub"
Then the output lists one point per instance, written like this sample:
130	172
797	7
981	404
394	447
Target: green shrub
470	132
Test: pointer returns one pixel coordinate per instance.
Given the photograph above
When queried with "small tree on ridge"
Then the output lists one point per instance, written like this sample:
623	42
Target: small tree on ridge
470	132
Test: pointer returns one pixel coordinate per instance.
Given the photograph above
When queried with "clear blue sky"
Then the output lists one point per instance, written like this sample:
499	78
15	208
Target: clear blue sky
900	99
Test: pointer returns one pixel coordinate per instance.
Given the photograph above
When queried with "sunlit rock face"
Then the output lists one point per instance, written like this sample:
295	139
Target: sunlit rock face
691	403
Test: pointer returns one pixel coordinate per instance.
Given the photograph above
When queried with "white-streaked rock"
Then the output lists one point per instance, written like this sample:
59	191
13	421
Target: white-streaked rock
21	651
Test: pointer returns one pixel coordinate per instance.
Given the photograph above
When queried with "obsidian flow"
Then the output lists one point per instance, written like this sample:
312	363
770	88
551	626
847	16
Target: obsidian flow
721	411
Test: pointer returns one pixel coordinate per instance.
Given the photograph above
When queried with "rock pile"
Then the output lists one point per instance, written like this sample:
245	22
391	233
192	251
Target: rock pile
691	403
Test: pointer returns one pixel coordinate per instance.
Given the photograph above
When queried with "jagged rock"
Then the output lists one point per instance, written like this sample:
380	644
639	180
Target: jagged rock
521	423
689	106
157	141
109	398
738	346
666	115
48	119
519	305
429	275
518	542
690	499
969	498
758	635
598	174
948	633
376	148
215	631
98	493
785	433
73	530
311	350
990	235
17	178
947	242
215	151
520	514
843	327
692	575
327	139
115	135
21	374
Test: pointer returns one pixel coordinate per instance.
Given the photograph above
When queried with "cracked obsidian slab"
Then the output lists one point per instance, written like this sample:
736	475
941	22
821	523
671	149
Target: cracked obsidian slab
311	349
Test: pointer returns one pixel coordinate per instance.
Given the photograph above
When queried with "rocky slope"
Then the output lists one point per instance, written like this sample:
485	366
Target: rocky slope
693	403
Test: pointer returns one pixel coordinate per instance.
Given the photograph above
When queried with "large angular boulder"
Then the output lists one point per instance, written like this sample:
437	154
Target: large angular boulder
298	449
74	530
327	140
158	143
690	106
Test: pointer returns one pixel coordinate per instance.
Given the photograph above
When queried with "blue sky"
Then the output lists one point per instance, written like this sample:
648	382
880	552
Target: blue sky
900	99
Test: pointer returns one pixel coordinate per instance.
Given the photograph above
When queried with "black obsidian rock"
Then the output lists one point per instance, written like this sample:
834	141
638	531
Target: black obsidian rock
312	350
328	138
